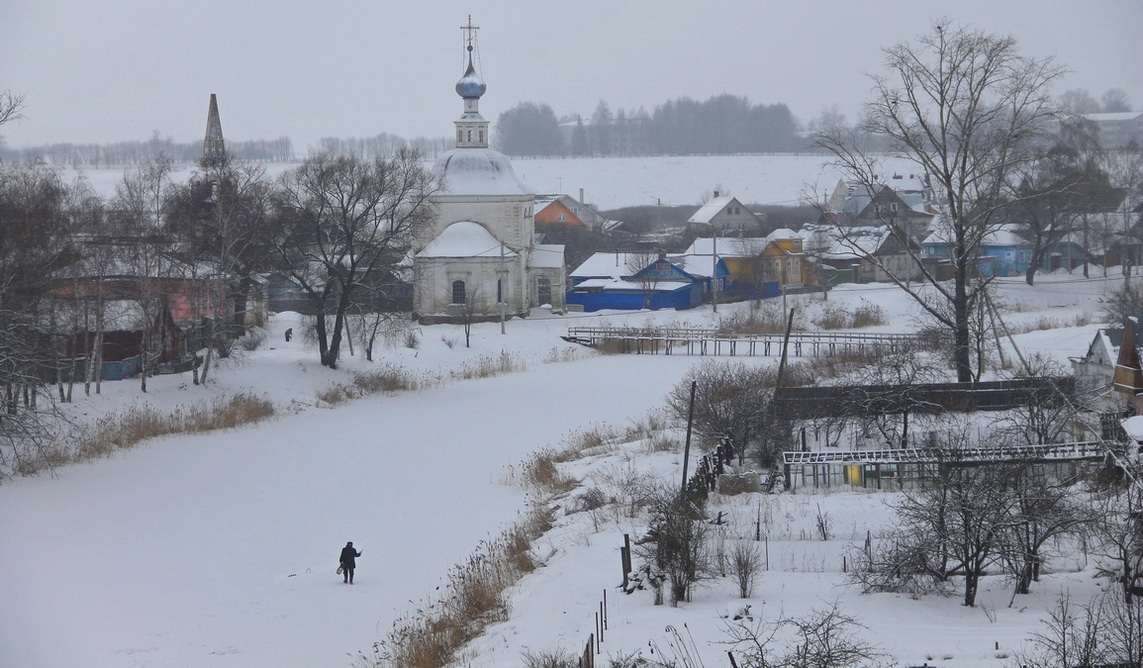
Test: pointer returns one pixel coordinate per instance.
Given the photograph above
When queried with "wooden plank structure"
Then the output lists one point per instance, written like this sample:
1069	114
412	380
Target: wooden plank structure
908	467
698	341
860	400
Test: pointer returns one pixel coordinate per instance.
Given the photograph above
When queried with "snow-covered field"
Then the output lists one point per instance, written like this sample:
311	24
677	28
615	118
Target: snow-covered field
220	549
610	183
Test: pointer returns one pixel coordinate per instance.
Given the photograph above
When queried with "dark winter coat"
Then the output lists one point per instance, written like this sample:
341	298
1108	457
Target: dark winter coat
348	557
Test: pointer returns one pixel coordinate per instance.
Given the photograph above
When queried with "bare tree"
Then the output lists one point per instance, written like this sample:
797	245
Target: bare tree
1118	536
1115	100
894	400
34	244
140	201
1078	101
648	281
219	220
11	106
955	524
966	108
1070	638
730	400
339	219
676	544
823	639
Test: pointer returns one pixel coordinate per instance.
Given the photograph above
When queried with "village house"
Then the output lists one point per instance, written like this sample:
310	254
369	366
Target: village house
553	212
726	215
633	281
1002	251
860	253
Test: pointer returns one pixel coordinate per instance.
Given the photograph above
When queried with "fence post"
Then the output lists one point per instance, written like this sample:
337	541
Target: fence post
625	557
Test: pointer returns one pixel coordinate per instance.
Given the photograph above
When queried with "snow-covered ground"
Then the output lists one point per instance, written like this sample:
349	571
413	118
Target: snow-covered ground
220	549
610	183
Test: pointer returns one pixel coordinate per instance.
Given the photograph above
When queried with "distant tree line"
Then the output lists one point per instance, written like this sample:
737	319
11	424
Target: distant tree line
722	124
383	145
135	152
1080	101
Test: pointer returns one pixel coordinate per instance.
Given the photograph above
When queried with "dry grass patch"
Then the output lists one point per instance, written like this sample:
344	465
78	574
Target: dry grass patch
761	318
540	472
488	366
474	599
386	379
837	316
140	423
335	394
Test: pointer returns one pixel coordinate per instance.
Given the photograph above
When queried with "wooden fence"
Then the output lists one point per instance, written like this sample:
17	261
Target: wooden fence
861	400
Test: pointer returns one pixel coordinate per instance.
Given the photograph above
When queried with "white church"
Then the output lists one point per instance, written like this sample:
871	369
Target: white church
480	259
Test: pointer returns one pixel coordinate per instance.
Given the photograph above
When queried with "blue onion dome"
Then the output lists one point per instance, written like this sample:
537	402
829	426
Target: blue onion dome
470	85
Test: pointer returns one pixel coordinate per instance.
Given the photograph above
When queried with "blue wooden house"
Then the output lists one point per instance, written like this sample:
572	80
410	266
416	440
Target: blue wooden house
617	281
1002	252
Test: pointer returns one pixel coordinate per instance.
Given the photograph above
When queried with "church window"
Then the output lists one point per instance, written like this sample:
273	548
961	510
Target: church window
470	135
482	135
459	135
458	296
543	290
500	291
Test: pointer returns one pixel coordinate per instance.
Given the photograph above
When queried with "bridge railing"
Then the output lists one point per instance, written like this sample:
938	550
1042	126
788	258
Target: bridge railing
1039	452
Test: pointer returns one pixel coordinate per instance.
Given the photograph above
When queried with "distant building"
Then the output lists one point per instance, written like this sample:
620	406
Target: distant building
555	211
1117	130
632	281
726	214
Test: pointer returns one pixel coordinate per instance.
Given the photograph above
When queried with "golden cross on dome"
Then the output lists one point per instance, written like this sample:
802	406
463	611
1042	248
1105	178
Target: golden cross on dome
470	30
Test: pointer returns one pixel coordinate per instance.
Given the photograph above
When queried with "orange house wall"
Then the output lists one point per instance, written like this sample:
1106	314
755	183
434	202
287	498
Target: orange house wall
550	215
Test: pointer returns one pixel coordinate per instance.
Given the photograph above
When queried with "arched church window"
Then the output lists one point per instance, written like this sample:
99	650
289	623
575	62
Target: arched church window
458	293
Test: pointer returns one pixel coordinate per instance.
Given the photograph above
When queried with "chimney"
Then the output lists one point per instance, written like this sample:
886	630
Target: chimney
662	254
581	201
716	193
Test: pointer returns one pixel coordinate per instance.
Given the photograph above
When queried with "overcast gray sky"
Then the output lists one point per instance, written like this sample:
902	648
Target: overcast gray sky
103	70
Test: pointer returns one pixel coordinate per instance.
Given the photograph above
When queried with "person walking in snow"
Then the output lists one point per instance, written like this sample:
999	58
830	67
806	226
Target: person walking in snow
289	334
348	561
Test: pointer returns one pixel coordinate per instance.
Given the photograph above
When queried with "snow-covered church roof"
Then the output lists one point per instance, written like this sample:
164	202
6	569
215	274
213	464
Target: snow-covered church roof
479	171
473	168
465	239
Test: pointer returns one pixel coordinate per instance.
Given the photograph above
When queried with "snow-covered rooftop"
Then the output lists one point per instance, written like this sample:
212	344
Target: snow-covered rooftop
465	239
709	210
832	243
728	246
611	265
549	256
1005	235
479	171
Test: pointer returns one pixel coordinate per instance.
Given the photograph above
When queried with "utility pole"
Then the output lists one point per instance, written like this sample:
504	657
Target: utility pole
500	288
714	270
687	447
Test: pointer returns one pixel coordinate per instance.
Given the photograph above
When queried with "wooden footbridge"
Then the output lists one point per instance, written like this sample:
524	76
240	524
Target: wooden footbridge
697	341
